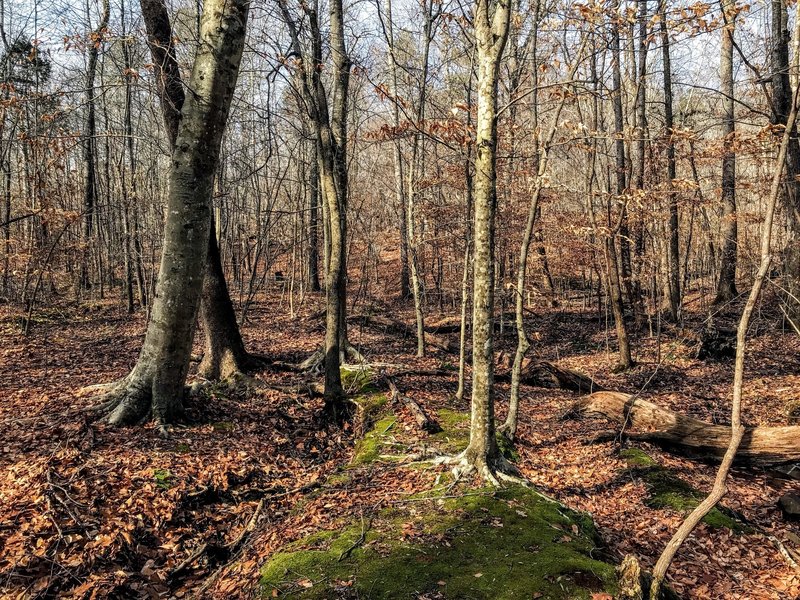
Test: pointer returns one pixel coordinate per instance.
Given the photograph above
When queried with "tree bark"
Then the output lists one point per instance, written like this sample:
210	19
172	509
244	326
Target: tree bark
155	385
726	284
491	32
225	354
781	100
90	143
330	130
674	282
643	420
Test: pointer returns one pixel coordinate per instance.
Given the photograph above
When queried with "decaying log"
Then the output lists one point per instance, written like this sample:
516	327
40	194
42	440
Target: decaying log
396	326
547	375
717	343
643	420
425	422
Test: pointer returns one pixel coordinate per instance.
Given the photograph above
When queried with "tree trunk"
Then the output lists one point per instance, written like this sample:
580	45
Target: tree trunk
225	355
491	33
618	269
156	383
674	281
726	284
388	26
90	144
781	99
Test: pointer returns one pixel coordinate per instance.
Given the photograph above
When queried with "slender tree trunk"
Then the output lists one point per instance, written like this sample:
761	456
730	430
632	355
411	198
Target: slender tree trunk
509	428
491	33
674	281
413	242
90	144
405	286
621	167
726	284
155	385
617	274
313	220
719	488
462	337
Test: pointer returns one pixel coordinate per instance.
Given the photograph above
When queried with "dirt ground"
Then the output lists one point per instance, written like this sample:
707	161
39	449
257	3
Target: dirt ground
88	511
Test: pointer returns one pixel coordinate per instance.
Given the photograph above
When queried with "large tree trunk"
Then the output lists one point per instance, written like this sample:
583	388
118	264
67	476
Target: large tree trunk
225	355
156	383
726	284
644	420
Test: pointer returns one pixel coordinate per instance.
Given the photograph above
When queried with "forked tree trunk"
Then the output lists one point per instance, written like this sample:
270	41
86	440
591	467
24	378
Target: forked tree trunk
330	130
156	383
225	354
726	284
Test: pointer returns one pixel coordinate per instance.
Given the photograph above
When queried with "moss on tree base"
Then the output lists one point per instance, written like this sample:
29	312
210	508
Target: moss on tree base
506	544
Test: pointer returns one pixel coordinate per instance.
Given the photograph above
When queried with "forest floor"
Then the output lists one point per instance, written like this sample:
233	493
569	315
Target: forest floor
88	511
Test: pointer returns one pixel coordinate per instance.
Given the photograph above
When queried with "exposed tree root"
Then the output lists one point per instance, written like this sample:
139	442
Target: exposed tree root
316	362
491	471
131	401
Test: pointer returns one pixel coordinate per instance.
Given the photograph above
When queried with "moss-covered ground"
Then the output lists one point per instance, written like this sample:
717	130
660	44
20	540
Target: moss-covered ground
503	544
667	490
448	542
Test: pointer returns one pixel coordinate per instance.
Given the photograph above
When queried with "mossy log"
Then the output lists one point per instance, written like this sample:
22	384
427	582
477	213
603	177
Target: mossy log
547	375
643	420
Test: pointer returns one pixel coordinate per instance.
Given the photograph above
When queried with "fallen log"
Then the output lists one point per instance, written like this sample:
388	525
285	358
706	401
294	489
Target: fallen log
547	375
643	420
424	422
404	329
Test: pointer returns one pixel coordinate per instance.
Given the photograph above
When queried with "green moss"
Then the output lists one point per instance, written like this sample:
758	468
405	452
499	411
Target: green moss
357	380
636	458
163	478
454	436
371	406
503	544
667	490
182	447
368	448
507	448
222	426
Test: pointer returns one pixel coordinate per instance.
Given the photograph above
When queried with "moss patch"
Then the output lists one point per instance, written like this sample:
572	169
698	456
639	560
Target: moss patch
505	544
454	436
667	490
357	380
368	448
